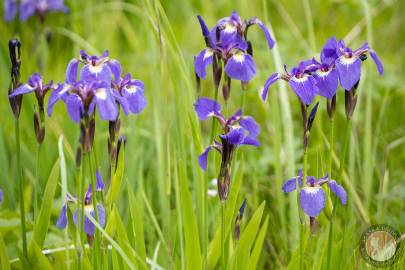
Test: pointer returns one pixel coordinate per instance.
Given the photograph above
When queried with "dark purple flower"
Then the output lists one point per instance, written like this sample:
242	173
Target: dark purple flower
129	93
36	85
41	7
299	78
312	196
348	63
10	9
237	130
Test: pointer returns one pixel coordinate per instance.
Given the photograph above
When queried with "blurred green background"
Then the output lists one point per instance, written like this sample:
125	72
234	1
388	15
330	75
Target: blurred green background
156	42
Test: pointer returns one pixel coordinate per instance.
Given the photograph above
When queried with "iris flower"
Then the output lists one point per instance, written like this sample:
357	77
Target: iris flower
312	196
237	130
28	8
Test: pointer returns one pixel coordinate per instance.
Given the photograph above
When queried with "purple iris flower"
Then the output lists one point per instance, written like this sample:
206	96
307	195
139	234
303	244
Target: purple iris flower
1	195
89	227
99	181
312	196
10	9
129	93
349	62
227	41
41	7
82	97
35	84
300	80
232	28
237	130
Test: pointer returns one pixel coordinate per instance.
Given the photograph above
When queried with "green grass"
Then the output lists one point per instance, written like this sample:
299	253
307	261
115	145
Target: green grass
159	214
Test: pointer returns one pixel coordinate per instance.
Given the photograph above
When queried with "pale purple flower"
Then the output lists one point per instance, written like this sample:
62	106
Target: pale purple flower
312	196
10	9
40	7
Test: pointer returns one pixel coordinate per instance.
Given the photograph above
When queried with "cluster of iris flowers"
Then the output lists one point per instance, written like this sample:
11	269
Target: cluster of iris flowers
92	83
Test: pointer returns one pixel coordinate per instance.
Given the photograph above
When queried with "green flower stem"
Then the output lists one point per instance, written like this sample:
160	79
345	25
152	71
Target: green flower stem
223	237
94	201
21	189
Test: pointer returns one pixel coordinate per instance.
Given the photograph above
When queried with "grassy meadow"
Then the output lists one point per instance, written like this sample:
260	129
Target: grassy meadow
160	213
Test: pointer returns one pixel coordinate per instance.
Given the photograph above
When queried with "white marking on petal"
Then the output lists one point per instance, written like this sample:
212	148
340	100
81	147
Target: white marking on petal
101	93
239	57
347	61
95	69
208	53
299	80
311	190
131	89
88	209
229	28
322	74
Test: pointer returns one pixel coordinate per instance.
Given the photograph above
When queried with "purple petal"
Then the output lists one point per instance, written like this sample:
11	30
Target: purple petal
121	100
291	184
338	190
60	93
266	32
349	71
272	79
71	71
204	27
236	136
205	107
106	105
328	54
74	107
115	67
249	140
134	94
234	117
241	67
101	214
62	220
250	125
27	9
1	196
99	181
202	159
203	59
327	82
304	87
10	9
312	200
23	89
377	62
99	72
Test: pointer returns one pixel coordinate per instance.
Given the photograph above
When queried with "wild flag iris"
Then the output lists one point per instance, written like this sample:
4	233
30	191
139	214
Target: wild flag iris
312	197
237	130
28	8
227	43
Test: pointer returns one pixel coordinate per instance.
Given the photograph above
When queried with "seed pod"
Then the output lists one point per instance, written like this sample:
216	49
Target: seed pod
331	106
226	88
78	157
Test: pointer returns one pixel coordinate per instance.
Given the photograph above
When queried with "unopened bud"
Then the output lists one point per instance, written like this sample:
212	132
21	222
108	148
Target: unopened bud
331	106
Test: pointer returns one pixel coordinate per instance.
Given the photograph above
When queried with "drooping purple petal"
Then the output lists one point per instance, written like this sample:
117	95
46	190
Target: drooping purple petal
291	184
249	140
202	159
56	5
312	200
236	136
241	67
205	107
202	61
121	100
250	125
71	71
327	82
349	71
304	87
115	68
99	181
60	93
338	190
106	105
10	9
23	89
266	32
272	79
377	62
74	107
62	219
134	94
328	54
27	9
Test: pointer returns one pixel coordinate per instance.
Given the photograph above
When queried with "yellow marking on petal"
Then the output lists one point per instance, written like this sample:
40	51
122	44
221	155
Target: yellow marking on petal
299	80
322	74
239	57
229	28
347	60
95	69
131	89
208	53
